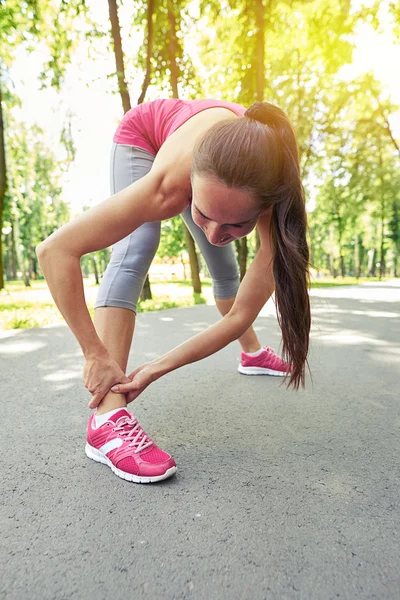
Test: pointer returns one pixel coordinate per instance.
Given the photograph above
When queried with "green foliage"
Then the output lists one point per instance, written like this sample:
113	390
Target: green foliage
66	25
33	206
19	23
347	146
159	304
199	299
172	242
168	16
356	204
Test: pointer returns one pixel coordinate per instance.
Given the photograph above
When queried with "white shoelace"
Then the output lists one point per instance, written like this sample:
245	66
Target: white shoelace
137	438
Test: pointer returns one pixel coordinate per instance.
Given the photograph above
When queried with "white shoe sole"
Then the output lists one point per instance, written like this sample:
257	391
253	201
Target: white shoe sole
260	371
94	454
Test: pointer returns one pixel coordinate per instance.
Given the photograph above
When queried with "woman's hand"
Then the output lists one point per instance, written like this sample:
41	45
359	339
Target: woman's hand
100	373
139	379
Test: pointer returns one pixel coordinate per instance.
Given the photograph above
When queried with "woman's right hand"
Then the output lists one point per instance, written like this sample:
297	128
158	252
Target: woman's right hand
100	373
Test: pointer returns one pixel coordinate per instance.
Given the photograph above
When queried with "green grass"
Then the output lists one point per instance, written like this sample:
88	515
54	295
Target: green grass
342	281
15	306
22	323
25	315
187	283
23	308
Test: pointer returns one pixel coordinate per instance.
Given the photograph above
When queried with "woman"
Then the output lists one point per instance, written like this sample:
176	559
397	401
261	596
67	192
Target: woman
225	170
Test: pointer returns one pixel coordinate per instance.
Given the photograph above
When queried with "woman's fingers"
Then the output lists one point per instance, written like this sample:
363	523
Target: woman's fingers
135	372
96	399
139	378
123	388
133	395
98	394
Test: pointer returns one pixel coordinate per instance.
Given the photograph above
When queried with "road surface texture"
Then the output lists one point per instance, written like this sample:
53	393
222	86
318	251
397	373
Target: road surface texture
279	495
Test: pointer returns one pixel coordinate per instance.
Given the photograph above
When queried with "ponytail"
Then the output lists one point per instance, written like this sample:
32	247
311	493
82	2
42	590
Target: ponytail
290	268
259	153
291	254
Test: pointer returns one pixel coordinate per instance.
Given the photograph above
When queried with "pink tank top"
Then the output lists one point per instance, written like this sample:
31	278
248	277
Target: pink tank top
149	125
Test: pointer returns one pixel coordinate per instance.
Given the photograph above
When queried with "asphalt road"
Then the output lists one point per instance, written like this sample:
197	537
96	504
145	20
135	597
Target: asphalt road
279	495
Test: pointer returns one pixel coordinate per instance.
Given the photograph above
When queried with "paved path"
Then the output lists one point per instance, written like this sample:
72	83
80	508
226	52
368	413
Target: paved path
279	495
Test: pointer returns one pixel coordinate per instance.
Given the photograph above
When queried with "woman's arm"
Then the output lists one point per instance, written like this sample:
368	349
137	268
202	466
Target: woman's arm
152	198
255	289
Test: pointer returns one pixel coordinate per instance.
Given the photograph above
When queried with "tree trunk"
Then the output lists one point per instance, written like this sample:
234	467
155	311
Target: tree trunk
13	255
382	264
395	226
356	257
332	267
34	264
27	281
146	290
371	262
124	93
95	270
8	263
17	245
174	71
242	253
260	48
149	49
119	56
383	210
342	265
3	185
194	263
173	44
340	237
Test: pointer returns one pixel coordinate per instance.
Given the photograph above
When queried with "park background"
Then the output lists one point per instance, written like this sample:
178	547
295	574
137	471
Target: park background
70	69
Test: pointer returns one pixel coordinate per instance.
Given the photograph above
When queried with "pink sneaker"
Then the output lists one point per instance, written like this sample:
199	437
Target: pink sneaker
266	363
122	444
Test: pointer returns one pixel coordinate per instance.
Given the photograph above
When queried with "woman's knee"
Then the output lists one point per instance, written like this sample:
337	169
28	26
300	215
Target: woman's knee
227	287
134	254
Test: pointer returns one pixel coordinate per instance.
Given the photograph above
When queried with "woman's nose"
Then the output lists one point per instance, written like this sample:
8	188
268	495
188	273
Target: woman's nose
214	233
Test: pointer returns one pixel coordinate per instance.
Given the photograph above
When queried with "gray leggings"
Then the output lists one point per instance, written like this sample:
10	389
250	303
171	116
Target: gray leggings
131	257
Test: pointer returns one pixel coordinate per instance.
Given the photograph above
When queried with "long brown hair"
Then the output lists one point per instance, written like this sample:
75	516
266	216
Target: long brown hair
258	153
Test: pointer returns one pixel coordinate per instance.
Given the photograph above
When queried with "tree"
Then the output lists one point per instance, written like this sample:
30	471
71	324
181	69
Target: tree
3	184
360	170
34	207
172	242
24	23
119	55
149	49
16	24
124	93
170	66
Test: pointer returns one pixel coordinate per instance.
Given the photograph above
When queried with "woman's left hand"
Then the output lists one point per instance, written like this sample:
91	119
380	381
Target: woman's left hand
140	379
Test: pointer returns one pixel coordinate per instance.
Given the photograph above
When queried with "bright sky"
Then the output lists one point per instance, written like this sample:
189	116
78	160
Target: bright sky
87	95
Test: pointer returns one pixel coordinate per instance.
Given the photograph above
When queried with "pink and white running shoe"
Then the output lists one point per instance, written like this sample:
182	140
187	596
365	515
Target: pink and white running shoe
266	363
122	444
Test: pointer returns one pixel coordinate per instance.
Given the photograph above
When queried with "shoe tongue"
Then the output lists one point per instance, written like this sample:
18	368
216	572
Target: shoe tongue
121	413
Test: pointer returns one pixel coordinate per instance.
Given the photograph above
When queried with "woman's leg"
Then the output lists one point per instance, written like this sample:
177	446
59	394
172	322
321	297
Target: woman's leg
121	285
222	264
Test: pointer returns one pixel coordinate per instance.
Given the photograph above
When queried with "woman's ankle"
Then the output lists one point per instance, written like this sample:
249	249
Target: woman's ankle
111	401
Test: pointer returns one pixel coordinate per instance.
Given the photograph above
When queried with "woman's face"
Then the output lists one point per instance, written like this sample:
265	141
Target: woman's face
224	214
